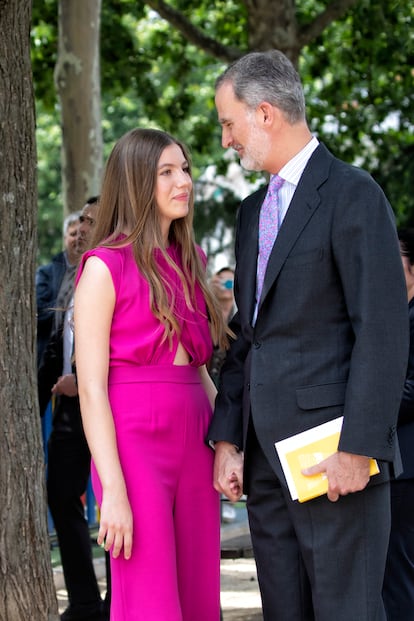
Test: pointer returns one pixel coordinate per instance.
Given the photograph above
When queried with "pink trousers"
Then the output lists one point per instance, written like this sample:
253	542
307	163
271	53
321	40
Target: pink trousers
161	416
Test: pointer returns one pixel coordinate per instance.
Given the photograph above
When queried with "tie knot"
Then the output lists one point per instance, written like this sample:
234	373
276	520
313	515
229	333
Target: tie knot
275	184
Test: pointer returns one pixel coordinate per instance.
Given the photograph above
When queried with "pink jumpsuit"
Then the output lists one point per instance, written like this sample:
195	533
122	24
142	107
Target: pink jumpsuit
161	414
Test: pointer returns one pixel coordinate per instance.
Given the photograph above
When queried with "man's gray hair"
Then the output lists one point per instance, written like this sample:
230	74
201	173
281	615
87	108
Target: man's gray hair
72	218
267	76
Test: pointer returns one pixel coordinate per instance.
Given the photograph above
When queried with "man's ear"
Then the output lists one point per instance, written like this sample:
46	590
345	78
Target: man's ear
268	114
265	111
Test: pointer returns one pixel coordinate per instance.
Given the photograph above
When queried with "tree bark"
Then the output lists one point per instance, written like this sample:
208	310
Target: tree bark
77	77
26	580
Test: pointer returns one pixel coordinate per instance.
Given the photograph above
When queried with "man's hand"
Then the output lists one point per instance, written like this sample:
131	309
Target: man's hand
346	473
228	471
66	385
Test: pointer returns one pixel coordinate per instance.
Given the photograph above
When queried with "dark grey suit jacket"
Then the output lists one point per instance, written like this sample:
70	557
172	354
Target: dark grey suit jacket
331	336
48	281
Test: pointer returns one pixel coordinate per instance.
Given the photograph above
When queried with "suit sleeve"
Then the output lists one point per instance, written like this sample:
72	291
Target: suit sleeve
227	423
44	298
49	370
368	261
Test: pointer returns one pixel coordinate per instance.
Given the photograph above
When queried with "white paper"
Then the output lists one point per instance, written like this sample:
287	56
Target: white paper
301	439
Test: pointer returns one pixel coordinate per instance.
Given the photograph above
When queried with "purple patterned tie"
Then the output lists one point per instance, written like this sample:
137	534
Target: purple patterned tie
268	229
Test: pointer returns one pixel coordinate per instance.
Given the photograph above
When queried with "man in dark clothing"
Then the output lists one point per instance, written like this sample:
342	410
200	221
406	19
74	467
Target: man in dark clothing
49	278
68	453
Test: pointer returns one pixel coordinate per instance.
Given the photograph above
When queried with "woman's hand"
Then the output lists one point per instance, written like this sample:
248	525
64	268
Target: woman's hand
116	524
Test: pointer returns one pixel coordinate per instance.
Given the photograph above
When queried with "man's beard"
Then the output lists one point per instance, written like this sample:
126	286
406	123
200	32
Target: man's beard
256	150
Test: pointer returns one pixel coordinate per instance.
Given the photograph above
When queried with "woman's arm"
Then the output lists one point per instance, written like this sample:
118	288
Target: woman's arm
208	384
94	306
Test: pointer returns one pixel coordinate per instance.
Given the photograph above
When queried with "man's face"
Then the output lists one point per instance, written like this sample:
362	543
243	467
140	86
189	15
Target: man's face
241	130
70	241
87	222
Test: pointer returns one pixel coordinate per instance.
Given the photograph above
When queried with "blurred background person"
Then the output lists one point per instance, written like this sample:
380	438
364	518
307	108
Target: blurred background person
222	283
87	219
398	590
68	467
49	279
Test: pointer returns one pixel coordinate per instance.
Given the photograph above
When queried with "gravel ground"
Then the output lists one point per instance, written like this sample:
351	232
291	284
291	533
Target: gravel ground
240	599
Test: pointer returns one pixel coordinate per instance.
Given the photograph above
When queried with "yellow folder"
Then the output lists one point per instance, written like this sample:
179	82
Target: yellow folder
308	449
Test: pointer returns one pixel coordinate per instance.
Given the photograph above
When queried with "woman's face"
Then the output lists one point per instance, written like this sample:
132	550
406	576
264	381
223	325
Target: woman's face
173	186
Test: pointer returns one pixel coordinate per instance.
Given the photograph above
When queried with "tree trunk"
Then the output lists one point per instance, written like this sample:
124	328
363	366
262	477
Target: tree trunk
77	77
26	580
273	25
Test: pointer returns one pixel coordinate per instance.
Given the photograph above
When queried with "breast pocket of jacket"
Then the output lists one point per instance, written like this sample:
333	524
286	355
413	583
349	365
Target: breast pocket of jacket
321	396
305	257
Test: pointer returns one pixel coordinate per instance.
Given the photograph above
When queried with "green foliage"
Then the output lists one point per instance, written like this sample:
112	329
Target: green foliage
44	35
150	77
120	60
358	81
50	211
122	65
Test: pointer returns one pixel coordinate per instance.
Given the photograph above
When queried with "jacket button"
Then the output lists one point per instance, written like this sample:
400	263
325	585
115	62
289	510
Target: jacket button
257	345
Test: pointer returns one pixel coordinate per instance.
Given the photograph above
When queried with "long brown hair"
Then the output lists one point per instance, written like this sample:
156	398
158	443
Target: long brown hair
127	203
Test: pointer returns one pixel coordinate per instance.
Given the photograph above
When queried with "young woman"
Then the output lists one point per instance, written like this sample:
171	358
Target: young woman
145	322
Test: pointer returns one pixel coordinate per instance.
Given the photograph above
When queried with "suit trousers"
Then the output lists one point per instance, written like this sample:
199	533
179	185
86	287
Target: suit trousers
316	561
398	591
67	478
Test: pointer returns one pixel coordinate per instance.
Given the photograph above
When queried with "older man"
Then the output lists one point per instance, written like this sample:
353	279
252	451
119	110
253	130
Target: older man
322	332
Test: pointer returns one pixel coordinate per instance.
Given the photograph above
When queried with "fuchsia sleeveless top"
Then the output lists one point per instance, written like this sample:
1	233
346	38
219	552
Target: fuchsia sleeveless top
136	336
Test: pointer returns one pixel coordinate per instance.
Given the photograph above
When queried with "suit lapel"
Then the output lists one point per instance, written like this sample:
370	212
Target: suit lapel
247	252
305	201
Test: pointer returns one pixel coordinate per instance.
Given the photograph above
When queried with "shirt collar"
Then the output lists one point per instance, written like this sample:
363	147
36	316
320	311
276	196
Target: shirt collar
292	171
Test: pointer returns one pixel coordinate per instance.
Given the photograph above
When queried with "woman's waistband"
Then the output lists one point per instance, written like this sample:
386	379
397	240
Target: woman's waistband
179	374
